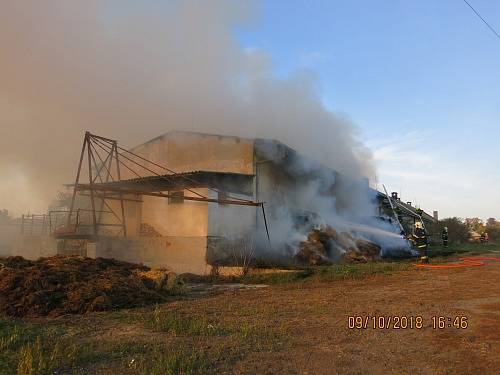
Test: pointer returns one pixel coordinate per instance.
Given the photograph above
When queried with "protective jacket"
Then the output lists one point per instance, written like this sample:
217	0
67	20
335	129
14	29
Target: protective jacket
444	237
420	238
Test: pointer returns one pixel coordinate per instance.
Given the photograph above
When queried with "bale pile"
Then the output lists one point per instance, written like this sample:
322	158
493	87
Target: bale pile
73	285
314	251
325	245
363	252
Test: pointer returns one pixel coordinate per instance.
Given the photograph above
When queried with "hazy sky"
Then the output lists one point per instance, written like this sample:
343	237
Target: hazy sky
421	79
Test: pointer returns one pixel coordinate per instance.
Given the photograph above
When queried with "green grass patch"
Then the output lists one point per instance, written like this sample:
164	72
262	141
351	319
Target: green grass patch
35	358
326	273
242	330
198	345
175	323
168	359
178	324
462	249
260	338
354	271
184	343
28	348
275	277
38	349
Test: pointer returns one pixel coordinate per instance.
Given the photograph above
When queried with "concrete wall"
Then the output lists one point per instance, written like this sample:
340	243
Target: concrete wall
272	187
132	215
186	219
230	227
187	152
169	218
179	254
229	220
183	227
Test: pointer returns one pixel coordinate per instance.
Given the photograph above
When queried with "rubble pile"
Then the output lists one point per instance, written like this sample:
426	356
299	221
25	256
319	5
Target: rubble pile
325	246
73	285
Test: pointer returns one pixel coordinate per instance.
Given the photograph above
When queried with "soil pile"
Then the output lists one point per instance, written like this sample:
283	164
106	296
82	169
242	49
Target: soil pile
73	285
325	246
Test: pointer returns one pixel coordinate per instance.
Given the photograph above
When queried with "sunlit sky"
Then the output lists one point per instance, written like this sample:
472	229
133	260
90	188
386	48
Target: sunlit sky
421	79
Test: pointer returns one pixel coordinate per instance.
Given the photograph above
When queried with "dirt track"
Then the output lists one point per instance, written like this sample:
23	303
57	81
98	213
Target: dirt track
321	343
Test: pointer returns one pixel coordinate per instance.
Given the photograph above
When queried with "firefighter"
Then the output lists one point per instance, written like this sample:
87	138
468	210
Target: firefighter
444	236
420	237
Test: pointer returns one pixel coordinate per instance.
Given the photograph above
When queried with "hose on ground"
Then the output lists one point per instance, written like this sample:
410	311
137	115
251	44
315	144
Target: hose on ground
464	262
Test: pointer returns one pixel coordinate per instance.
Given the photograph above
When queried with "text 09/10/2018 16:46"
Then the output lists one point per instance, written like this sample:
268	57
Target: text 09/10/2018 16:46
407	322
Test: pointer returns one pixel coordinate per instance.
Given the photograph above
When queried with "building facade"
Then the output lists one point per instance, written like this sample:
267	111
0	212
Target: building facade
193	236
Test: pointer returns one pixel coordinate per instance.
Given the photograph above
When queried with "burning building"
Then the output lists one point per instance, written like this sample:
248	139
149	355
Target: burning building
203	201
407	214
198	78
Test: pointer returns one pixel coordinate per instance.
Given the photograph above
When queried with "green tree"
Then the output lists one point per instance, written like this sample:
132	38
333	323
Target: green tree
457	230
475	224
491	222
493	228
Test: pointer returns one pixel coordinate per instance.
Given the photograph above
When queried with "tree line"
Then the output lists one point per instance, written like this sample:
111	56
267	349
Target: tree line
459	229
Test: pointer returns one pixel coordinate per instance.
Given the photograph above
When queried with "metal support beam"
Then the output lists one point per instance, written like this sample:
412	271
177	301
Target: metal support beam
86	187
91	182
101	170
121	194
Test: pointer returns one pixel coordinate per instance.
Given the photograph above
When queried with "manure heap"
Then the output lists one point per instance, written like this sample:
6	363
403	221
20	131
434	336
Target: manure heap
73	285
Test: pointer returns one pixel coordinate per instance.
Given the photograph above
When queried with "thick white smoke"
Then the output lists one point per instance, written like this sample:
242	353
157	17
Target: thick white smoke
133	70
316	197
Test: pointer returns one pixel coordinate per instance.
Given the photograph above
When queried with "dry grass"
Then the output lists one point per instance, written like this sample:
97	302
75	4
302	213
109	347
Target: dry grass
161	341
296	325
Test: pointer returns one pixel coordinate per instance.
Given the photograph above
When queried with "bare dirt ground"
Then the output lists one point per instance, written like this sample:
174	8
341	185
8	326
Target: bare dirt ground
322	343
302	328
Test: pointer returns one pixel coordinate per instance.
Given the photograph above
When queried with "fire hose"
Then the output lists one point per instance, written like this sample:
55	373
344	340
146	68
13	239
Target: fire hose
464	262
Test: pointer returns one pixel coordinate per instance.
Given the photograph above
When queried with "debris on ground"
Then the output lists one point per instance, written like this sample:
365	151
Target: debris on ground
325	245
61	285
163	279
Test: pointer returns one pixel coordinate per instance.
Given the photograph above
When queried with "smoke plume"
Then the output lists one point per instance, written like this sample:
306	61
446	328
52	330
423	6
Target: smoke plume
133	70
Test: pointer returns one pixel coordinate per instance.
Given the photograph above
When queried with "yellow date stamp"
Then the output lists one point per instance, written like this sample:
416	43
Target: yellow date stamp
415	322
